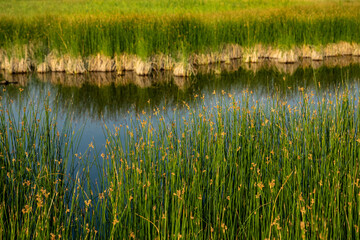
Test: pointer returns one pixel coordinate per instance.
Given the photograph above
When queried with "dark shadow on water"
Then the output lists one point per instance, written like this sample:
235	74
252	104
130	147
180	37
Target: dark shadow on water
98	98
107	96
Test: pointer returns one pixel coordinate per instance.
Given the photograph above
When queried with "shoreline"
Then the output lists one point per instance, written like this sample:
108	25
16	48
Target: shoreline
130	77
160	62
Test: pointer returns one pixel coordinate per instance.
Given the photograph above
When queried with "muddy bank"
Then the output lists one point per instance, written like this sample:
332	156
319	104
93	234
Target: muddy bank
166	77
120	64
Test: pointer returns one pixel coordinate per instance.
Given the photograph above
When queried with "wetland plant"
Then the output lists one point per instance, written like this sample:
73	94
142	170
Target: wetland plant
237	168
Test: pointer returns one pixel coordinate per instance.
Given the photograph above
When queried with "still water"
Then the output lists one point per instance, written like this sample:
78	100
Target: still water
95	99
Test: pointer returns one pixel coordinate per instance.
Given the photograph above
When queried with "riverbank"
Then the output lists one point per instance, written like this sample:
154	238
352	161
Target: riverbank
156	78
76	40
189	66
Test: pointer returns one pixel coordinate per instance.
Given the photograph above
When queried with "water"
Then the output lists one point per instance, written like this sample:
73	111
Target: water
104	98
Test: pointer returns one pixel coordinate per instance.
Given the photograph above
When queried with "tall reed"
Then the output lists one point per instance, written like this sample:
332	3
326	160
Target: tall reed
39	196
236	168
147	33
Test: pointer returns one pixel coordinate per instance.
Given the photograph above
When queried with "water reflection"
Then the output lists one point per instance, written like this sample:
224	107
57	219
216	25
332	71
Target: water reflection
107	96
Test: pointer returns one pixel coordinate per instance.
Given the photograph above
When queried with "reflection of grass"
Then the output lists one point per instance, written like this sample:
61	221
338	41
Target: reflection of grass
86	28
111	101
213	172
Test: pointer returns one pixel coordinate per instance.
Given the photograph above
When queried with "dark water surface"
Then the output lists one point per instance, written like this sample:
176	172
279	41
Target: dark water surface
98	98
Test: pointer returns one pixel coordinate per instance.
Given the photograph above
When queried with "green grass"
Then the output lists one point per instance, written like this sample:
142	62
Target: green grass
86	7
236	171
239	168
34	186
147	27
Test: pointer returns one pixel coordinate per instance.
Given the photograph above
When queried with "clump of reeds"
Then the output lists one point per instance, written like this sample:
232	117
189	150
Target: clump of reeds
345	48
2	59
208	58
182	69
226	53
19	58
125	62
16	65
100	63
232	51
43	68
317	54
143	68
57	63
288	57
75	66
356	48
305	51
119	65
254	54
163	62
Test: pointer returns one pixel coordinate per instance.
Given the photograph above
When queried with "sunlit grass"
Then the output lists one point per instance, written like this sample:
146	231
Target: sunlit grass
239	170
85	7
39	198
236	168
170	31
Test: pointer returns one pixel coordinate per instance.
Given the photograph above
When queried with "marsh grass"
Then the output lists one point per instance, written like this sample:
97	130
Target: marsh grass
146	34
239	170
84	7
38	195
237	167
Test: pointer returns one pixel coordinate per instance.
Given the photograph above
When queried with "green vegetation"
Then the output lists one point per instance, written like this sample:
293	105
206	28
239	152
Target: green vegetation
86	7
35	190
147	27
237	168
